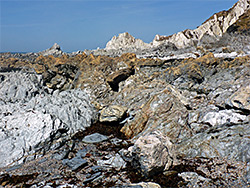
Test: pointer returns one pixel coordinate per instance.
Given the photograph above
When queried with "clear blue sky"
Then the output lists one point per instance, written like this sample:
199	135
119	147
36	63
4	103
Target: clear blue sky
34	25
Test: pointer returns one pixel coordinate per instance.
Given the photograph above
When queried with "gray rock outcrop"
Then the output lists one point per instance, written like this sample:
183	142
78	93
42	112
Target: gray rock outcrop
31	117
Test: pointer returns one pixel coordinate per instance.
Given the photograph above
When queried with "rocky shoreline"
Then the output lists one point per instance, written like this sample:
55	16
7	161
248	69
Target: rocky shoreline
130	115
187	121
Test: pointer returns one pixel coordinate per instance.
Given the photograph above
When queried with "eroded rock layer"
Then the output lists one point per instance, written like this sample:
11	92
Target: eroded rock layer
184	117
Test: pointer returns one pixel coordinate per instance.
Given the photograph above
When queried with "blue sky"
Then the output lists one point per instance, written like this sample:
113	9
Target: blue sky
34	25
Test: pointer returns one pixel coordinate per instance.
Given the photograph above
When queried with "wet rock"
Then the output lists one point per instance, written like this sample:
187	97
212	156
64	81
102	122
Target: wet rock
152	153
112	113
94	138
143	185
75	163
112	162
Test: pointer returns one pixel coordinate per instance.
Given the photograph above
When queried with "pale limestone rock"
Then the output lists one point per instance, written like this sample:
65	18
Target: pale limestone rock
223	117
54	50
124	41
214	26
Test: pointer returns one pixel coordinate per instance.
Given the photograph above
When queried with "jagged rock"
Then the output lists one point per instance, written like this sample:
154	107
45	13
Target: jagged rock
94	138
115	78
54	50
21	132
214	26
241	26
18	87
125	40
112	113
152	153
241	99
223	117
30	117
219	142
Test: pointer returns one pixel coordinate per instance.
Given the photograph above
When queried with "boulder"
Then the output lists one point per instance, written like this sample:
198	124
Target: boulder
152	153
164	111
112	162
112	113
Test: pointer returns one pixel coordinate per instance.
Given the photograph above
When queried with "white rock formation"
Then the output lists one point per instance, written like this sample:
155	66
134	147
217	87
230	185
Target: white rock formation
54	50
215	26
125	41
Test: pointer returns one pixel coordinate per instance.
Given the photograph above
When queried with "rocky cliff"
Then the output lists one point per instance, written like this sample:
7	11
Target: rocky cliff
215	26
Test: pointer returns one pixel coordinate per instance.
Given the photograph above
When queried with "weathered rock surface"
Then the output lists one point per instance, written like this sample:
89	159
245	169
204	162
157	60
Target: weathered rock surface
54	50
30	117
152	154
241	99
214	26
195	180
112	113
187	114
125	40
214	34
